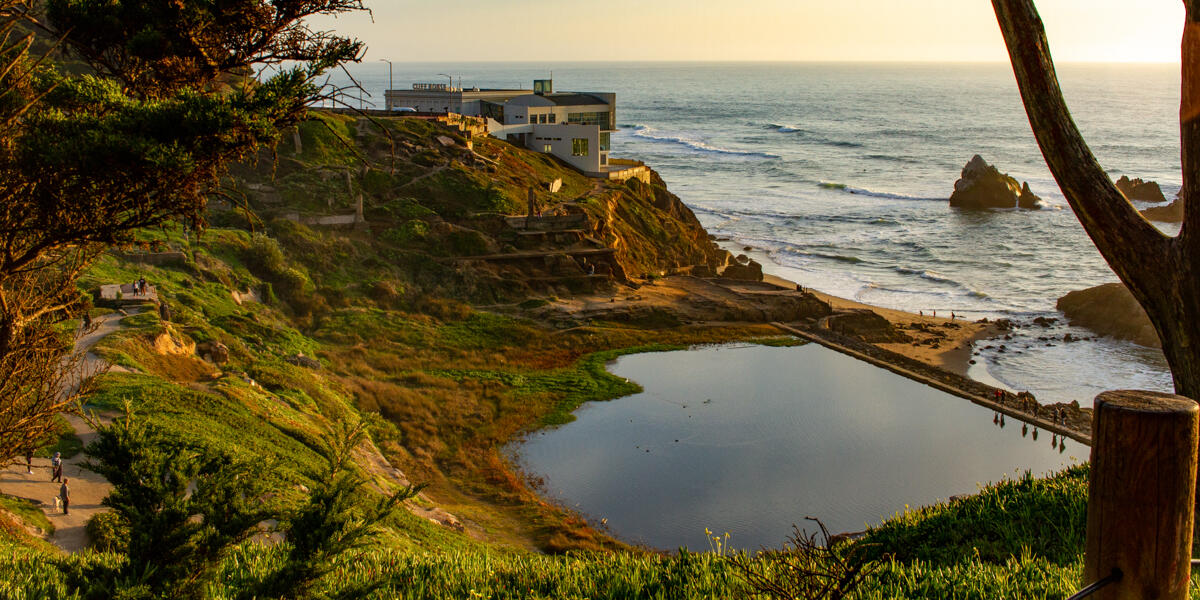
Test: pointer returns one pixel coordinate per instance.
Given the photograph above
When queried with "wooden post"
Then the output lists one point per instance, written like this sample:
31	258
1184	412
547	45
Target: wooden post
1142	493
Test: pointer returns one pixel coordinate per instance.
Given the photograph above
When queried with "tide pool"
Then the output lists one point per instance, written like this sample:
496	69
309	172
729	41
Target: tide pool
750	439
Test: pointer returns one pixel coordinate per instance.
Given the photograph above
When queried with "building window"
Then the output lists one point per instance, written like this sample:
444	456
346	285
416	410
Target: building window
605	141
603	119
553	117
604	159
543	118
547	148
579	147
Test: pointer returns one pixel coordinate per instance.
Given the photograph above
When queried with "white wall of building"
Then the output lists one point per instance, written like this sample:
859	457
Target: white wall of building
559	140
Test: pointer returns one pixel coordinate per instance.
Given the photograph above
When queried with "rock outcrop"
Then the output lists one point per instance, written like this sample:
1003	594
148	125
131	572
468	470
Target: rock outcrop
1168	213
983	186
751	271
1110	310
865	325
1136	189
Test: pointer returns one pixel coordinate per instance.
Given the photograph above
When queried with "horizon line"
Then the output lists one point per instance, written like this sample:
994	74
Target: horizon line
774	61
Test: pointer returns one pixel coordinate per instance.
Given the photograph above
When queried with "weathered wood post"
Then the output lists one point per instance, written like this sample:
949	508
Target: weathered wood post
1142	493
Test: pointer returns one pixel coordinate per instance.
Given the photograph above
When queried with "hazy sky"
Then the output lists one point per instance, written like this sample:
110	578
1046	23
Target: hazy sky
756	30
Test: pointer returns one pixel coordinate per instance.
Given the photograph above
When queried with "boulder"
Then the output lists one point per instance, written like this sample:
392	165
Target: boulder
867	326
1111	310
300	360
752	271
170	343
1136	189
1168	213
217	353
983	186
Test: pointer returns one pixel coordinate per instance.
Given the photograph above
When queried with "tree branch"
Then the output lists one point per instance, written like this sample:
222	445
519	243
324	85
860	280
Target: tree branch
1125	239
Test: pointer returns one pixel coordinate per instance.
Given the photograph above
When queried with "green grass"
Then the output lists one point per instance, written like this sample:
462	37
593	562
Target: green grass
28	512
63	439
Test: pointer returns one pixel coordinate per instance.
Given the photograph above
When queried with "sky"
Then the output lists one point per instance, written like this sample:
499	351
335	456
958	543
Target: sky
752	30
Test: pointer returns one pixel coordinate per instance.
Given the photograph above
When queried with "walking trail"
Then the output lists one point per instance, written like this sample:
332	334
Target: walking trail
87	488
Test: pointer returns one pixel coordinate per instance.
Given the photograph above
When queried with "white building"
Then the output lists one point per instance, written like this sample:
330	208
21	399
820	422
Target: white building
575	127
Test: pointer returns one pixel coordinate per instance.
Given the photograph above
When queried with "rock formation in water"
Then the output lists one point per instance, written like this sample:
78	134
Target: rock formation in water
1028	199
1167	213
1110	310
983	186
1136	189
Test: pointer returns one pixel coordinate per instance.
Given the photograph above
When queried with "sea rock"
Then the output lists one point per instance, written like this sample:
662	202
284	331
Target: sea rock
983	186
1168	213
1111	310
751	271
865	325
1136	189
1027	199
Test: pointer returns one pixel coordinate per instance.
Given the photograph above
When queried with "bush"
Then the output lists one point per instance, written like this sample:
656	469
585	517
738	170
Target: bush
108	531
407	233
467	243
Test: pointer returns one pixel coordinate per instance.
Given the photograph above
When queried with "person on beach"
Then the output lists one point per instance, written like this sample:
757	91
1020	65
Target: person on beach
64	494
56	467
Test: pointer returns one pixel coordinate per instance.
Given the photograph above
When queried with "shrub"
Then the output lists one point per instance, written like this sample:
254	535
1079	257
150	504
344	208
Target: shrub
407	233
108	531
467	243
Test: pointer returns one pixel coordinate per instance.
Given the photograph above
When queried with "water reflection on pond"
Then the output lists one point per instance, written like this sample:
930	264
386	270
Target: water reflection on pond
750	439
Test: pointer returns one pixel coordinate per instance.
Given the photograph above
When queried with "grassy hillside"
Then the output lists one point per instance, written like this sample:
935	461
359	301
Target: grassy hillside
379	324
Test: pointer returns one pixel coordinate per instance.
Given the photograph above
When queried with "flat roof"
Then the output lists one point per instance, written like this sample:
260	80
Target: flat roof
574	99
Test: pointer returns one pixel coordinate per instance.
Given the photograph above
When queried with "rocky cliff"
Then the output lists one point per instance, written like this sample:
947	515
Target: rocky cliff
449	210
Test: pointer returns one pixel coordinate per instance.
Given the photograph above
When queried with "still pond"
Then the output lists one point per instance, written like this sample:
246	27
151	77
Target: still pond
750	439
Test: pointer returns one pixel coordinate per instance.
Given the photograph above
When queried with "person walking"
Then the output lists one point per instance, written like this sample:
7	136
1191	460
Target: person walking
87	320
56	467
64	494
29	461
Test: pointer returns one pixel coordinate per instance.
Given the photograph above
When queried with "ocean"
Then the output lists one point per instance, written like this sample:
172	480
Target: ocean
838	176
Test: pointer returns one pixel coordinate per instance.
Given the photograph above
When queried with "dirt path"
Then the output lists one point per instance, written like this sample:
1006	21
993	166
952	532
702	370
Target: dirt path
87	488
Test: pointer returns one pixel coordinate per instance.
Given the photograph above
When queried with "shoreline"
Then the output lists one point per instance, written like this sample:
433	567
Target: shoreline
953	355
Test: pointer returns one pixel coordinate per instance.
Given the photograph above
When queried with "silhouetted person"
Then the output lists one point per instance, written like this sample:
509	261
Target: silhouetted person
29	461
64	494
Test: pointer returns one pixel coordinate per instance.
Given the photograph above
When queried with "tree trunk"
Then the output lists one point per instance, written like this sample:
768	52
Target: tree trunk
1160	271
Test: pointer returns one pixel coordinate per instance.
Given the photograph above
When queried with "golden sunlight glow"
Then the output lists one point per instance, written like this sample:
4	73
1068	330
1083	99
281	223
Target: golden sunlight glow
756	30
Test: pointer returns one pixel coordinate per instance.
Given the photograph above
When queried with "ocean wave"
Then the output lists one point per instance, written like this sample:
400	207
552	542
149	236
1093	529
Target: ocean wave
927	274
812	137
891	158
841	187
844	258
649	133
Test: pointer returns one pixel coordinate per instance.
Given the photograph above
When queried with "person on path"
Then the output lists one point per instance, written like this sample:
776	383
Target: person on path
64	494
56	467
87	320
29	461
